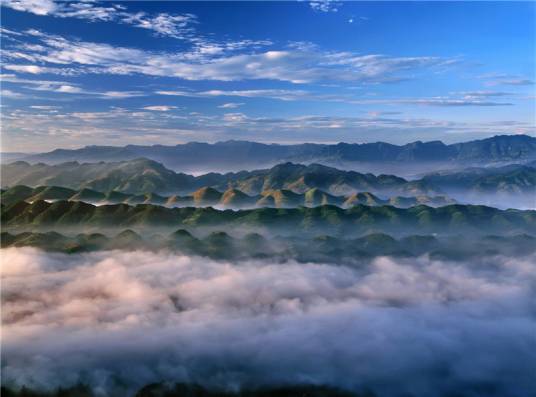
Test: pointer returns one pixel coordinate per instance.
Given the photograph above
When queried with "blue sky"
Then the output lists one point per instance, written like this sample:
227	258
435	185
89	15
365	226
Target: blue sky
115	73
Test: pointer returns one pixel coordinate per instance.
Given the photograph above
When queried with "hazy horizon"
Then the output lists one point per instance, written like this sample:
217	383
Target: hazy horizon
267	143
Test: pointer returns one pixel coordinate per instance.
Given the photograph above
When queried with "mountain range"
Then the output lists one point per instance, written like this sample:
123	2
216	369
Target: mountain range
239	155
142	176
512	185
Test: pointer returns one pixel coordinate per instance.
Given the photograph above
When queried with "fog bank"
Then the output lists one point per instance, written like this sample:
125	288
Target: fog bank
119	320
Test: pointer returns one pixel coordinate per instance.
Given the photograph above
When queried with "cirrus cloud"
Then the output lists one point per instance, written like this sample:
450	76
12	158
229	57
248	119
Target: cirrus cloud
231	62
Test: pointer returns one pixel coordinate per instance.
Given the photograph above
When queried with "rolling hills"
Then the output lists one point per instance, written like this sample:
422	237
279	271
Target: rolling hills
231	198
513	185
316	249
327	218
142	176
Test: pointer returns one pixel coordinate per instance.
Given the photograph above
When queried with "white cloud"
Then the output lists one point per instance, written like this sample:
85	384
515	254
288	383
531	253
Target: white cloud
12	94
325	5
467	99
33	69
484	94
170	317
494	79
118	94
176	26
44	107
296	64
235	117
160	108
69	89
280	94
38	7
66	88
231	105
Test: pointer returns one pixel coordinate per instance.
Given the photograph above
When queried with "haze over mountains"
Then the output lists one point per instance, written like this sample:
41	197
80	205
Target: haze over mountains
319	249
146	176
512	185
240	155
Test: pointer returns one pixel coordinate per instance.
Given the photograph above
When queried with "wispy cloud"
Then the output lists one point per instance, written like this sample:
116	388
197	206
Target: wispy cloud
32	69
231	105
280	94
466	98
159	108
494	79
515	82
484	94
296	64
64	87
12	94
177	26
37	7
448	102
325	5
45	107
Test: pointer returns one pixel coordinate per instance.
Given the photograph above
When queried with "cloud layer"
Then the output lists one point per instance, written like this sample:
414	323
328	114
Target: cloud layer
423	327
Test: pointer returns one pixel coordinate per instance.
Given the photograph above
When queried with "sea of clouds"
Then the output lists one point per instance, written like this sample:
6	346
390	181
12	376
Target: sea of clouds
120	320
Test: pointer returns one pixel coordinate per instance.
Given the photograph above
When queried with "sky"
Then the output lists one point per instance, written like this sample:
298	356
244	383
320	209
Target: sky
116	73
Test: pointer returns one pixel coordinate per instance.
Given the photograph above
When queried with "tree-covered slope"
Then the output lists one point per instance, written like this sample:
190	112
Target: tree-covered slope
231	198
357	219
141	177
319	249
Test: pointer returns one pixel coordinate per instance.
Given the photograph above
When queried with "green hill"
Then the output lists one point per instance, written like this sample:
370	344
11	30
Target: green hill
319	249
142	176
231	198
357	219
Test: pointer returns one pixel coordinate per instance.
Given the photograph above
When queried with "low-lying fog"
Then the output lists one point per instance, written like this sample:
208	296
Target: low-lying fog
119	320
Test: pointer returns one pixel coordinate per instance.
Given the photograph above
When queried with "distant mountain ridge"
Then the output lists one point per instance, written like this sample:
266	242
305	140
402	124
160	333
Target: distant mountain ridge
244	154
